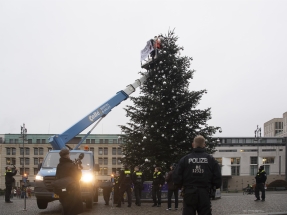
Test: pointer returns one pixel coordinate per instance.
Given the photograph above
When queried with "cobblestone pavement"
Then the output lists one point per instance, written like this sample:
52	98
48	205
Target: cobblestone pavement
229	204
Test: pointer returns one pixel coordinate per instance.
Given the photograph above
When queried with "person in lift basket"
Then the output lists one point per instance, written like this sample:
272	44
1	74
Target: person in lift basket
70	199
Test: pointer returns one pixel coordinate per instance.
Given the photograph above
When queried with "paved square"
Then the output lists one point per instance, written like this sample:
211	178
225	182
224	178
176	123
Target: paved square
229	204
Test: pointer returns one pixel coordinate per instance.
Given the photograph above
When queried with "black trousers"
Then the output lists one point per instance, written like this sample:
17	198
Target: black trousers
117	195
156	194
125	188
106	194
260	187
169	196
8	192
138	193
196	200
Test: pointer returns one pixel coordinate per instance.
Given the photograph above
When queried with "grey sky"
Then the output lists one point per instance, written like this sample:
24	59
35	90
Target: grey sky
59	60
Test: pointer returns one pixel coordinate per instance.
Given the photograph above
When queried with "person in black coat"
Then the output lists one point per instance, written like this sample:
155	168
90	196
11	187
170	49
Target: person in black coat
9	180
107	189
138	179
71	199
116	185
172	189
198	173
260	178
125	182
157	183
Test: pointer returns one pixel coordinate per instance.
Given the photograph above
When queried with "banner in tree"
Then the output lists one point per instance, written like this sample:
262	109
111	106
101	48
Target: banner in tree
147	50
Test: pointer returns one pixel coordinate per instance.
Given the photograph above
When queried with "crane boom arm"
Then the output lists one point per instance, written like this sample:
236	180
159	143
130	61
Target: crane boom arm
59	141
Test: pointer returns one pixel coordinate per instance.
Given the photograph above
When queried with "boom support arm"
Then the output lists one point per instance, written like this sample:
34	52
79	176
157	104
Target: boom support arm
59	141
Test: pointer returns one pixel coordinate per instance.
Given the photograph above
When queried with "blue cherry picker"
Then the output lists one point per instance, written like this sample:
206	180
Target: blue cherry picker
89	185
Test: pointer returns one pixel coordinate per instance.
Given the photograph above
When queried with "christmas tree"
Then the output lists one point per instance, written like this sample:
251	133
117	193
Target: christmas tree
164	118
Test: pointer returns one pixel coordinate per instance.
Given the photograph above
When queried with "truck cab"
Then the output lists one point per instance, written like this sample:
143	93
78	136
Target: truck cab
47	174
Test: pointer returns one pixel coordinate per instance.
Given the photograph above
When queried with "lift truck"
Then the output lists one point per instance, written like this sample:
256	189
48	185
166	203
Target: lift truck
89	184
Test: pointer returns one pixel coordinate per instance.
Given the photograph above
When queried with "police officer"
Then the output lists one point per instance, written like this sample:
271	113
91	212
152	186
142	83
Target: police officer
260	184
117	189
125	182
197	172
172	189
138	179
157	183
107	189
9	180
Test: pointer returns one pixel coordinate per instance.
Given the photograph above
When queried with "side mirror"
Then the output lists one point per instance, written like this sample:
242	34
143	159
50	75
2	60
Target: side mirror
39	166
97	167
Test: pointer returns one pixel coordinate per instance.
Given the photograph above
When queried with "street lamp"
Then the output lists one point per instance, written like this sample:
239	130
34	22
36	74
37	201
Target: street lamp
257	137
24	177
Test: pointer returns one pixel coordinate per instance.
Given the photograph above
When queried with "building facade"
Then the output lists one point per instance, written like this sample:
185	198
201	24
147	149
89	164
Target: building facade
276	127
240	158
106	148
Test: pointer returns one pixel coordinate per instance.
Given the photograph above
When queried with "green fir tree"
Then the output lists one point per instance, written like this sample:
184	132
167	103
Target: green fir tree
164	119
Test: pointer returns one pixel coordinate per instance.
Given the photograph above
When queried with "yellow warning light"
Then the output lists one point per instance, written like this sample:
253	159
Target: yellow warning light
86	148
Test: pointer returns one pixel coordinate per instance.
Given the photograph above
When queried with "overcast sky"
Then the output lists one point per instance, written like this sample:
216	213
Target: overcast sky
60	60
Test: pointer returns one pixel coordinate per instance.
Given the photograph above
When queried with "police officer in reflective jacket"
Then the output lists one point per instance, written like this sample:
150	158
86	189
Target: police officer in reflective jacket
157	183
197	172
116	187
9	180
138	179
125	182
260	178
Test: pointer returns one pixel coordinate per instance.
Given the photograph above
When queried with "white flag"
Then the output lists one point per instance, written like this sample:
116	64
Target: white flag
147	50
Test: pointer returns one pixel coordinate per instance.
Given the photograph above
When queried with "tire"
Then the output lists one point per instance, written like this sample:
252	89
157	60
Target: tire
42	204
89	202
247	193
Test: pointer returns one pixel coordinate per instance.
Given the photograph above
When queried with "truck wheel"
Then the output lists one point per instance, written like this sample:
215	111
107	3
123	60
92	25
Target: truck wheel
89	202
42	204
96	196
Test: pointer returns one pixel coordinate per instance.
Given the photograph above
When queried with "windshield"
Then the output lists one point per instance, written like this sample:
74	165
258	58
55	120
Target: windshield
52	159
